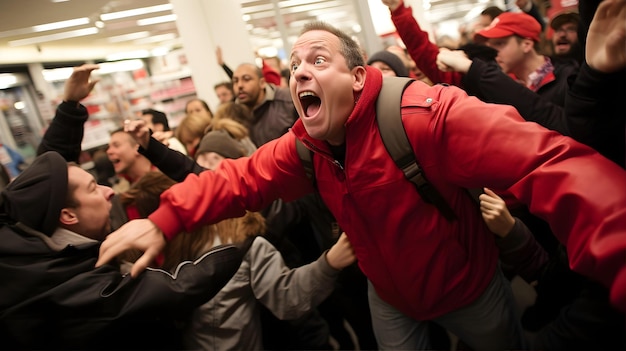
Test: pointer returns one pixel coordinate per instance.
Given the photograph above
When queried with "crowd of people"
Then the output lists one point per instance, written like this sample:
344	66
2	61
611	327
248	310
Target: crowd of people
211	235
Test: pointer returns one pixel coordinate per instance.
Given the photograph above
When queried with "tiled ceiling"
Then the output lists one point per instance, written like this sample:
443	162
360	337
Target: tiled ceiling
262	22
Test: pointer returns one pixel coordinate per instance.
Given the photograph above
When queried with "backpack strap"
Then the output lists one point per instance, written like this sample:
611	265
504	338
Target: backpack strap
307	161
389	119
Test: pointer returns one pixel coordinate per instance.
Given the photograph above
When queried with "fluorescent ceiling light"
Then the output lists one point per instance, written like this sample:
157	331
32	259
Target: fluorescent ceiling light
155	20
7	80
45	27
128	37
53	37
155	39
120	66
135	12
56	74
128	55
160	51
61	24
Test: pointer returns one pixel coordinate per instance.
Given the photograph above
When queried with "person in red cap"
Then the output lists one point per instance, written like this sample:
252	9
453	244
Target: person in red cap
515	36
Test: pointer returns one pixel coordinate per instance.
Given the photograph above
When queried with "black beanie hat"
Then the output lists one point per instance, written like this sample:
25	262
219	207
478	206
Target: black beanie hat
220	142
35	198
391	60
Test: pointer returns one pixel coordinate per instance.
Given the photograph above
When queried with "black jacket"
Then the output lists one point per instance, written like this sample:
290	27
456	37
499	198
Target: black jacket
56	299
596	114
486	81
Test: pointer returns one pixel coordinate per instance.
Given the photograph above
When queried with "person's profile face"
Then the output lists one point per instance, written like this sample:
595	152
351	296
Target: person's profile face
92	204
510	52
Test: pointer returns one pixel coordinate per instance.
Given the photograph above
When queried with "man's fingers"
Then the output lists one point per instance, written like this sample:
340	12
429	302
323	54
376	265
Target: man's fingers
109	249
141	264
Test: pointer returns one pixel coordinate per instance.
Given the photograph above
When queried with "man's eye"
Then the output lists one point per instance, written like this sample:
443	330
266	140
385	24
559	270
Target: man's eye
319	60
294	67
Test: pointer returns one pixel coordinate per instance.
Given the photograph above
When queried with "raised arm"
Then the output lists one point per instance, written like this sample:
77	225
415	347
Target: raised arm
65	133
419	46
172	163
594	104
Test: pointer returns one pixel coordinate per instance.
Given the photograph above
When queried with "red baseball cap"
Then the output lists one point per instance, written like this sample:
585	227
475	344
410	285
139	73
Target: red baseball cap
510	23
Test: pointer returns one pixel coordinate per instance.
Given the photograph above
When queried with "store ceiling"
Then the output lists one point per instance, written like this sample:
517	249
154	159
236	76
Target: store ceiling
18	47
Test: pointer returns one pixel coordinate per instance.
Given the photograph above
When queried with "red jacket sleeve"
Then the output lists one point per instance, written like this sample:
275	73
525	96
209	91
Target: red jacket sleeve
580	193
270	74
419	46
247	183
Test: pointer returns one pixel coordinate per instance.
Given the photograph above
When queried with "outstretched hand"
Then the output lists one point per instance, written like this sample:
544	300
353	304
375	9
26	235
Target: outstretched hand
606	40
139	234
79	84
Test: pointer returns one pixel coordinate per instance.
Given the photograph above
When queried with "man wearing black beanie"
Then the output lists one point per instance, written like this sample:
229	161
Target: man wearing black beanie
53	218
388	63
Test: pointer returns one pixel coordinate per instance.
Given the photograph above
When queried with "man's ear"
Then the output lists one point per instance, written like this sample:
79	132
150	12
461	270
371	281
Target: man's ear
527	45
359	74
68	217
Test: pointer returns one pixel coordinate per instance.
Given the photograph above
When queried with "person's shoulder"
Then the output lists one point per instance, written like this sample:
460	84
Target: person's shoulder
282	94
564	65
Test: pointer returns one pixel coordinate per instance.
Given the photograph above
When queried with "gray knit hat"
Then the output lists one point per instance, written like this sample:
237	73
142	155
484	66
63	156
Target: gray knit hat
391	60
220	142
35	198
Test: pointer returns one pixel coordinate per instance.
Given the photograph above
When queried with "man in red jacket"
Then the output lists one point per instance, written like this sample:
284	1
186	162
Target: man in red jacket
421	267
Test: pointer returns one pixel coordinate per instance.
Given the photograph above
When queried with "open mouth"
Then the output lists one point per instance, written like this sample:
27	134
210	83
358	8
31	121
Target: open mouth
310	103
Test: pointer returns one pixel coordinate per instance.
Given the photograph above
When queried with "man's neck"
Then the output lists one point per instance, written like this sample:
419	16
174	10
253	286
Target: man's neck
531	64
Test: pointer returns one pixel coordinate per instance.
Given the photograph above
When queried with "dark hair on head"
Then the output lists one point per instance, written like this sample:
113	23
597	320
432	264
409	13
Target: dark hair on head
158	117
121	130
228	85
257	70
70	200
349	48
204	104
492	11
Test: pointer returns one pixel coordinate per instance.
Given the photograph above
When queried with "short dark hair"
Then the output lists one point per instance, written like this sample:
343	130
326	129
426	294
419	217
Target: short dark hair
350	50
492	11
228	85
158	117
70	199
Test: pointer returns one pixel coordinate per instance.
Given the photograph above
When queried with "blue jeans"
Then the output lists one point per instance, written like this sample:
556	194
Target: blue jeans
489	323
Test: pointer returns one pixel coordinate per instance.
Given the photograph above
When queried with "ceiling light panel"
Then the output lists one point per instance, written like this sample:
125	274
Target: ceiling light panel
53	37
135	12
155	20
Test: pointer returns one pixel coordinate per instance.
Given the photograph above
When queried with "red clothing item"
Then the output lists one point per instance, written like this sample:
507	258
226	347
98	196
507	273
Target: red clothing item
419	262
270	74
420	48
